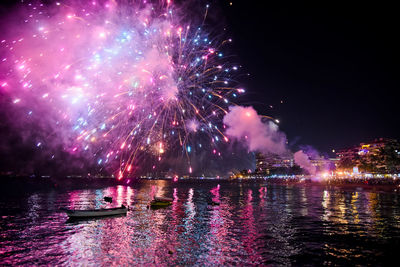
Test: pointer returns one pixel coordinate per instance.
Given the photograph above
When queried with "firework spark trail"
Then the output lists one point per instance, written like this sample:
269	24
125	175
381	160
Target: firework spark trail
118	81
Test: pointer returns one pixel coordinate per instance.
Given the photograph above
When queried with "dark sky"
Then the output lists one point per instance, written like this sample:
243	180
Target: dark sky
333	64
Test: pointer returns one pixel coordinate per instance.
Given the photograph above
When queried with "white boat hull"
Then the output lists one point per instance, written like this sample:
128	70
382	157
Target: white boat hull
95	213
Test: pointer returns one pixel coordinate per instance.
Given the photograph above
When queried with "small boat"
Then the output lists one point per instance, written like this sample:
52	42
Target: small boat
159	202
96	213
163	199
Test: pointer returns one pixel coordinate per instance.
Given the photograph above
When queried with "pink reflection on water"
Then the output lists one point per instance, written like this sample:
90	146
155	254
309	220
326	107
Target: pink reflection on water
249	239
175	195
129	195
176	221
177	213
215	193
153	191
120	192
218	241
263	193
82	199
190	211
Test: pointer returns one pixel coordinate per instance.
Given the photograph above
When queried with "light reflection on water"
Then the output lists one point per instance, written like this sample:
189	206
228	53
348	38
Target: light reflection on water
210	223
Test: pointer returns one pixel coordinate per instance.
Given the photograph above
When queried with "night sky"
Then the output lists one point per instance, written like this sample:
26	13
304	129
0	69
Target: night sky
333	64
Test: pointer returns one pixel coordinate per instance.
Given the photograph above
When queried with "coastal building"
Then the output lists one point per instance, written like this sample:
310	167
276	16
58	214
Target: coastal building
321	163
379	156
266	162
334	162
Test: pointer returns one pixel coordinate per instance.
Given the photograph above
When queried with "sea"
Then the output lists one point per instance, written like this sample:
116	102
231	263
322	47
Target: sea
209	223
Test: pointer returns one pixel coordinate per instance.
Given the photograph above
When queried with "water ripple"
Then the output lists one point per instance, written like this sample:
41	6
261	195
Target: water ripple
209	224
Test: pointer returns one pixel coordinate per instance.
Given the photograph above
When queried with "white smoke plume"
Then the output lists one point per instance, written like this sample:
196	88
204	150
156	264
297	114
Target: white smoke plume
301	159
245	124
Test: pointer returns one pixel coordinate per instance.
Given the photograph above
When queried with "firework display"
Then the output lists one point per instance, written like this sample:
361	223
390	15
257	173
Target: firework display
119	82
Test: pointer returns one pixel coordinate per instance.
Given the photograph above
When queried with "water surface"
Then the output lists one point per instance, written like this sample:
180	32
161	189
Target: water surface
209	223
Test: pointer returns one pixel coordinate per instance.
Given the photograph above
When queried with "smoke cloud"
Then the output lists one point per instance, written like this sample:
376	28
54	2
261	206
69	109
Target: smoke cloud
301	159
245	124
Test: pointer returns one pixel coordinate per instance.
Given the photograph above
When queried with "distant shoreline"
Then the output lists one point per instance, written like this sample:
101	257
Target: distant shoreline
29	184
